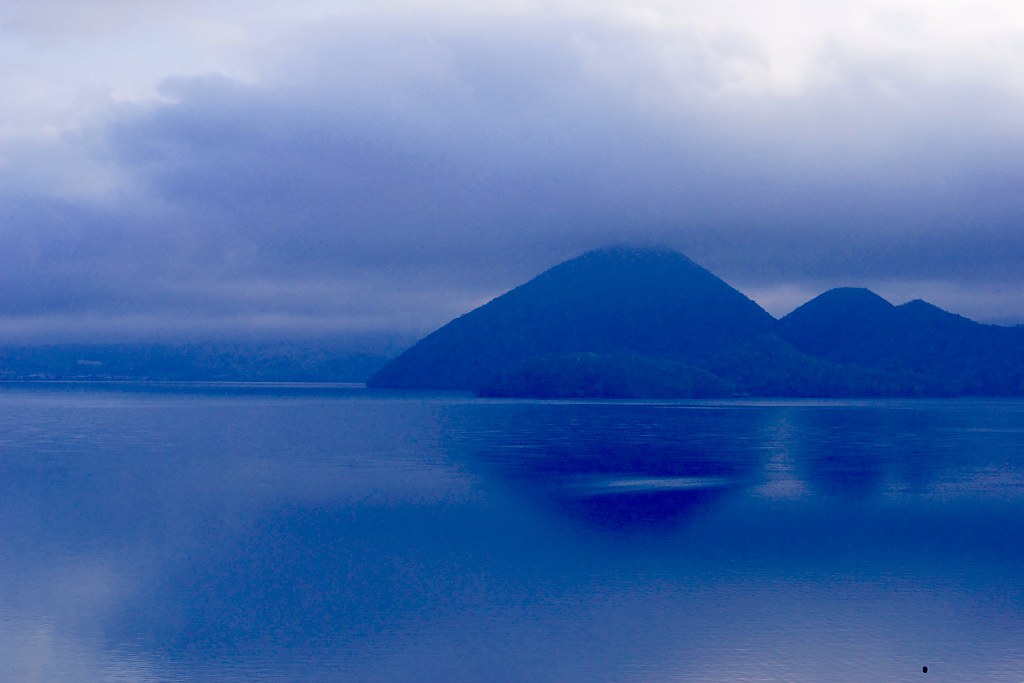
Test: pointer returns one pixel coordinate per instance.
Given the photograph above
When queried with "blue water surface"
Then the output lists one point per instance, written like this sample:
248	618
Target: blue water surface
331	533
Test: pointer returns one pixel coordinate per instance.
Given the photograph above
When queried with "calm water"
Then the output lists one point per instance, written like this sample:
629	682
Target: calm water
299	534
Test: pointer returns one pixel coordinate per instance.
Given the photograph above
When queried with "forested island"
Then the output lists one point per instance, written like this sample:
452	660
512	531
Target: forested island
651	323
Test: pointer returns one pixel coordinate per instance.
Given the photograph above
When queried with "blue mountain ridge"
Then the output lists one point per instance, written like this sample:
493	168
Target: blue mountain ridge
635	323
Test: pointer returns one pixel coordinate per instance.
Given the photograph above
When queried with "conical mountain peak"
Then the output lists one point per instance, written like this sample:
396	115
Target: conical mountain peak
922	309
607	301
830	320
847	301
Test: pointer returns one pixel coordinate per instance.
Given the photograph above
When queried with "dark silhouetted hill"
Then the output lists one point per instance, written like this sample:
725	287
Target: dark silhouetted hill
925	349
839	320
612	301
630	323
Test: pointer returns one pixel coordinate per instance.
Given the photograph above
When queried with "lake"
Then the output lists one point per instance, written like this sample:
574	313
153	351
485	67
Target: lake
311	533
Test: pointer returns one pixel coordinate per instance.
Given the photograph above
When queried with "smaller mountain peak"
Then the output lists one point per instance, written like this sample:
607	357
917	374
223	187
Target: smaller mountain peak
829	320
854	295
845	302
921	309
920	304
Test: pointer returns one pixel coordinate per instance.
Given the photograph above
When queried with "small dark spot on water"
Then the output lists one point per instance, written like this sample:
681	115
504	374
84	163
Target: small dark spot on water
924	669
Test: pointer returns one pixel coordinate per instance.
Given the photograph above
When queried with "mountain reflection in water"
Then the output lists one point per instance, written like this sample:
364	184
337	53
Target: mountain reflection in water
616	468
278	536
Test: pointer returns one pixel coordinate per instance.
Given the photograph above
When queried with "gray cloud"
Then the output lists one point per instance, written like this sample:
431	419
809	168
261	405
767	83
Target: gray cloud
393	174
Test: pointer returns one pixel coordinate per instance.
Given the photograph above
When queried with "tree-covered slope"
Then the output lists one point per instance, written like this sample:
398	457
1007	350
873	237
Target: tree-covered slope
590	375
938	352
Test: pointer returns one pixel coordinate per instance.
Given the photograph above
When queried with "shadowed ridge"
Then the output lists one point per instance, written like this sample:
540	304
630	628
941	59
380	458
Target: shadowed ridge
836	319
920	310
930	351
609	301
844	303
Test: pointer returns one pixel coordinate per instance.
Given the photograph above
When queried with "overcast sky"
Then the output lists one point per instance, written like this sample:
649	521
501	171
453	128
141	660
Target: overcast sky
215	168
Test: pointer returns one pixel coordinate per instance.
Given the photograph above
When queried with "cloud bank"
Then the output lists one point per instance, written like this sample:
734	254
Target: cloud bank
389	166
